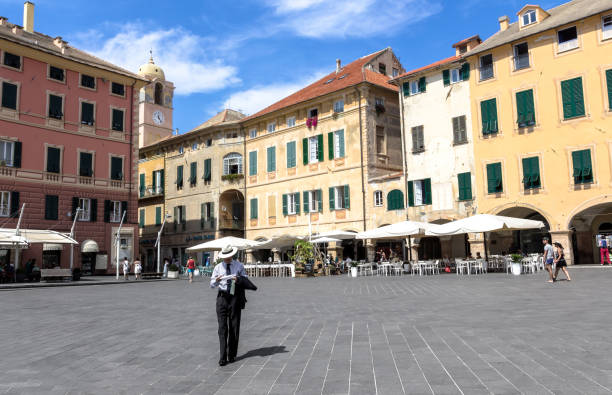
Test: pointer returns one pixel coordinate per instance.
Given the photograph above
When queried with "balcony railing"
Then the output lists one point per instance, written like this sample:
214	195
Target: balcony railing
225	223
567	45
151	191
521	62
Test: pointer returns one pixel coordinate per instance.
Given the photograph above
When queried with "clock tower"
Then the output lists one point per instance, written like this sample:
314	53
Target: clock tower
154	105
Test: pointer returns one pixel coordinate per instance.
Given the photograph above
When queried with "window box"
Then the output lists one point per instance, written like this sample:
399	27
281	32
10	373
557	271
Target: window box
232	177
311	122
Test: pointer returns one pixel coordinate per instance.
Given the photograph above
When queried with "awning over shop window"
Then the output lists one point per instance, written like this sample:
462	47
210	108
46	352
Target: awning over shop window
30	236
89	246
52	247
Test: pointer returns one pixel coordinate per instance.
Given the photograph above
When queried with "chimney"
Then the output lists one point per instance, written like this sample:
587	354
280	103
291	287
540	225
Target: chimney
28	17
3	20
338	66
504	21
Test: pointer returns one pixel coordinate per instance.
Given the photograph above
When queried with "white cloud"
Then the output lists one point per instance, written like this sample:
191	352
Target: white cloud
343	18
257	98
180	54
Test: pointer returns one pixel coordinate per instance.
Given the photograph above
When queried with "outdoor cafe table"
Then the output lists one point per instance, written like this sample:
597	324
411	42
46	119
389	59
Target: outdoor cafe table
256	268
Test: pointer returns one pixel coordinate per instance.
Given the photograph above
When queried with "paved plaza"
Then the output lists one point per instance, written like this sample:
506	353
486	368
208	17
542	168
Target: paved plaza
443	334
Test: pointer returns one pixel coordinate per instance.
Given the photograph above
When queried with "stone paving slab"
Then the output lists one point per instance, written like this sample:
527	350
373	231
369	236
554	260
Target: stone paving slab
446	334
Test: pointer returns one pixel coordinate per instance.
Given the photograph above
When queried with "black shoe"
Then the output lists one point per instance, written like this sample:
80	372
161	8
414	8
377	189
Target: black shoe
232	359
222	362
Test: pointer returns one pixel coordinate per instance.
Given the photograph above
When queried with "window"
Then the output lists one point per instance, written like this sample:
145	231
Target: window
87	113
494	178
158	216
459	130
208	142
55	73
462	49
53	159
336	144
85	205
583	170
55	107
193	176
51	207
158	181
118	89
115	211
5	203
180	216
486	67
379	101
179	177
271	127
531	173
206	215
207	170
406	88
116	172
291	155
529	17
573	98
395	200
313	149
414	87
382	68
290	122
271	157
488	113
609	84
85	164
568	39
143	185
254	213
313	201
419	192
232	164
313	113
88	81
141	218
291	203
464	182
194	146
455	76
253	133
606	27
9	95
12	60
181	149
418	139
521	56
253	163
7	150
378	198
339	197
117	120
525	108
381	143
159	90
339	105
231	135
394	72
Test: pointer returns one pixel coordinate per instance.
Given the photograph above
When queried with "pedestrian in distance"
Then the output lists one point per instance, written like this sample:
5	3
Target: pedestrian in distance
560	262
604	253
166	265
126	268
190	268
137	269
549	258
229	306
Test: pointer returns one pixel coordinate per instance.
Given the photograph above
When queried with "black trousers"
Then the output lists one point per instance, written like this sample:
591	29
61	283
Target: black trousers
228	317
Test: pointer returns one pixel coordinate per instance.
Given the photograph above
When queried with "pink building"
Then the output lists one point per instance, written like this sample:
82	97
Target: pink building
68	140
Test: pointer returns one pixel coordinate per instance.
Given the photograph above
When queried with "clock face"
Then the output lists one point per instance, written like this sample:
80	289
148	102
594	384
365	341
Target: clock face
158	117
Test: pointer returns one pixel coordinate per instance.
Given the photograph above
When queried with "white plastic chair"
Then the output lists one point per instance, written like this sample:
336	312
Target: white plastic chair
461	266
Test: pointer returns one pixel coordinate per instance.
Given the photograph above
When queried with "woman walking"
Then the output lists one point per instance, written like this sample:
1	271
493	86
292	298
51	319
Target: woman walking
560	261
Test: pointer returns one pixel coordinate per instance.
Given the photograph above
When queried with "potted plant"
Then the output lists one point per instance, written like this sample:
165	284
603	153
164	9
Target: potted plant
303	255
173	271
353	268
516	263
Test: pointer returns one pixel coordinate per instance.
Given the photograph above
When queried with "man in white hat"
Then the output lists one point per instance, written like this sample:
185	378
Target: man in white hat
228	305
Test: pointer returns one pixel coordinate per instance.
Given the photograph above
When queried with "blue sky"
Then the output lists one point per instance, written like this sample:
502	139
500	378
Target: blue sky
247	54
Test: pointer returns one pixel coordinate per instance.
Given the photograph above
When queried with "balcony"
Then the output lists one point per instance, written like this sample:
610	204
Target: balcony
227	223
151	191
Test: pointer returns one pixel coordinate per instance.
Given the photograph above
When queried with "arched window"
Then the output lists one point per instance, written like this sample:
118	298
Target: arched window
395	200
158	93
232	164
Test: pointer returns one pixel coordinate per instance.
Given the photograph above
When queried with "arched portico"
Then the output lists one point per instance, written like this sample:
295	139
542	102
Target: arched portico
587	222
526	241
231	213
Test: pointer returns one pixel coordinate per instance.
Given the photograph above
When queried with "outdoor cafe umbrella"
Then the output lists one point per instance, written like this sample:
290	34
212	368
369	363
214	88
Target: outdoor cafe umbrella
321	240
336	234
219	244
398	230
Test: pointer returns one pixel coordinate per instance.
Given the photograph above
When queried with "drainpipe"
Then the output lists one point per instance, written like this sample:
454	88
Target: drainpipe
244	162
403	137
363	193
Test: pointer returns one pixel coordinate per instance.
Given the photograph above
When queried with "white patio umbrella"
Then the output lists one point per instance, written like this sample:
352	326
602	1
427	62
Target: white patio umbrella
397	230
282	241
336	234
321	240
219	244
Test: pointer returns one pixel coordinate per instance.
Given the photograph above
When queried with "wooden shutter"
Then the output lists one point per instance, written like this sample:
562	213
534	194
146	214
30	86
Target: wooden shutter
285	204
273	158
17	154
208	169
573	99
9	95
332	199
320	199
141	220
465	186
75	205
53	160
161	179
578	97
48	207
525	108
305	150
410	193
107	210
421	137
341	142
415	139
158	220
422	84
291	155
94	210
154	179
406	88
320	155
330	145
306	202
124	208
609	84
142	184
297	202
252	163
587	170
494	179
488	111
193	170
446	77
179	176
254	208
347	197
427	191
465	71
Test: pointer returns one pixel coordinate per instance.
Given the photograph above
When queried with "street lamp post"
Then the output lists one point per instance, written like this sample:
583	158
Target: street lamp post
76	215
117	243
158	241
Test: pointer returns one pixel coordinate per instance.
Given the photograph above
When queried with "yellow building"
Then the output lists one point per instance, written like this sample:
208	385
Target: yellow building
150	203
328	157
542	125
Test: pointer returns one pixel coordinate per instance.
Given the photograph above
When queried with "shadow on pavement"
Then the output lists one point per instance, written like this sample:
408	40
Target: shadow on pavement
263	352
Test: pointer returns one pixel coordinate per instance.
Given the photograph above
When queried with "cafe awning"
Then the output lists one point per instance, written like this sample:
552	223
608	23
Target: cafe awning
89	246
32	236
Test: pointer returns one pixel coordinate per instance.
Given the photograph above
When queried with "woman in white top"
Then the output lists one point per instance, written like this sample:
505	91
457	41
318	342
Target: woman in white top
137	269
126	268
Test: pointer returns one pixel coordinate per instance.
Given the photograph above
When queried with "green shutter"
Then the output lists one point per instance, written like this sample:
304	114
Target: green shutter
406	88
253	163
194	173
465	186
573	98
306	202
254	208
271	159
341	142
207	169
141	221
330	145
142	185
609	83
305	150
158	219
154	180
525	108
291	160
179	175
422	84
446	77
531	172
488	112
347	197
332	199
583	171
410	194
161	179
320	155
285	204
494	178
465	71
395	200
427	191
297	202
320	198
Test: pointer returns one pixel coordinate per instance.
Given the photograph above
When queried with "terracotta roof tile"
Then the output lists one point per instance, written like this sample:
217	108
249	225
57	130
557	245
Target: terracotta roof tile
467	40
429	66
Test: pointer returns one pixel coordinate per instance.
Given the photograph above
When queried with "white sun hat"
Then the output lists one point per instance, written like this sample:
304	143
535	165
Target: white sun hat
228	251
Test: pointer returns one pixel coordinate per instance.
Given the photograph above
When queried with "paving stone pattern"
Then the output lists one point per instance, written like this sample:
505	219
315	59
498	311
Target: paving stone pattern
443	334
